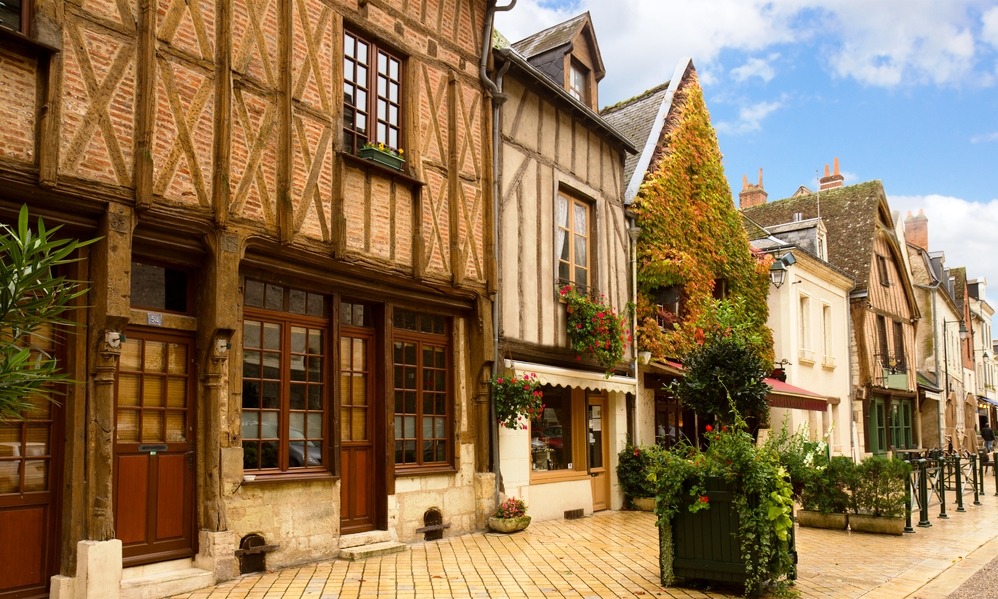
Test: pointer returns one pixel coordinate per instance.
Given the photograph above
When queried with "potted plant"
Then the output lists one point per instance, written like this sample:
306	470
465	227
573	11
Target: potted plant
879	495
594	329
382	154
825	499
518	399
510	516
736	494
633	464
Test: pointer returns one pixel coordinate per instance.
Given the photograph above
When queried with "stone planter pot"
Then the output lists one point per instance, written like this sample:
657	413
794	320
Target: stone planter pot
818	520
645	504
876	524
508	525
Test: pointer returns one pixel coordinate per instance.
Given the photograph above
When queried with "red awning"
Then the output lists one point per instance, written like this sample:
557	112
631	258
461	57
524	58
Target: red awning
785	395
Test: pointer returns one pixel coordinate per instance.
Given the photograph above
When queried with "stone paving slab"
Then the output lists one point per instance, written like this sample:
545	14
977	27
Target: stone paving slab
615	554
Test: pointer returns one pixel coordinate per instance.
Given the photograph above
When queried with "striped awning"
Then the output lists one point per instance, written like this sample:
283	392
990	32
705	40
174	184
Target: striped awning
566	377
785	395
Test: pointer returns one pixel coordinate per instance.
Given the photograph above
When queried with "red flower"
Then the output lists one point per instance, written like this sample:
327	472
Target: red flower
704	499
637	452
709	428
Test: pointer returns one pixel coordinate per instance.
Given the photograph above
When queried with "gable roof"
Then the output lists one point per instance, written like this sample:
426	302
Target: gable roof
850	215
561	35
642	119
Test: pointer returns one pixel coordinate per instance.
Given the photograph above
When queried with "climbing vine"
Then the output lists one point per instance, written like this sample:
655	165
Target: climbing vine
692	235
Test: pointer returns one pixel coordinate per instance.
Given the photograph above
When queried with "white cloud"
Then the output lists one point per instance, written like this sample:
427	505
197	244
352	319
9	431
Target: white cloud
989	32
984	138
749	118
756	67
963	230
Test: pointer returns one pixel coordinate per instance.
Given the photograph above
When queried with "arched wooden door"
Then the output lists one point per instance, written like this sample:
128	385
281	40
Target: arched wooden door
154	446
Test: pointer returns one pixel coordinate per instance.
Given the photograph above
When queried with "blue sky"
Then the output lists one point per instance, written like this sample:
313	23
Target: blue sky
905	91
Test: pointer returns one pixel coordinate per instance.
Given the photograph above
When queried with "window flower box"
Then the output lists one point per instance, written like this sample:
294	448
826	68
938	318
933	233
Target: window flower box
384	155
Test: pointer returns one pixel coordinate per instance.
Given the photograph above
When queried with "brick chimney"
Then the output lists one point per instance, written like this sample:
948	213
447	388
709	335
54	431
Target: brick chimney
832	181
916	229
751	195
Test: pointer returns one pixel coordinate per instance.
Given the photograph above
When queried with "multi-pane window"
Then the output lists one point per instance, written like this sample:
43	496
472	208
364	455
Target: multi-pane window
14	14
420	356
899	357
356	361
284	379
882	340
882	271
152	390
878	426
372	94
572	245
901	419
578	83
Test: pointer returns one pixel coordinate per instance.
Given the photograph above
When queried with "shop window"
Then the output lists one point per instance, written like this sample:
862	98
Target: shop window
372	94
551	433
284	413
423	399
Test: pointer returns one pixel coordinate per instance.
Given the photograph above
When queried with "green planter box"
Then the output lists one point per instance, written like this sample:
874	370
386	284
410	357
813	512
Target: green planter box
376	155
705	545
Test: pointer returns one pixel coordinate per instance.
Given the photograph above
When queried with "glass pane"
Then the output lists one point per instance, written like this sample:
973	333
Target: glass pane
398	453
410	402
176	393
296	454
176	427
271	365
345	353
579	222
410	451
296	301
398	425
152	393
36	475
393	93
37	441
298	368
273	297
316	305
410	427
251	456
349	45
564	274
155	359
131	356
298	335
314	426
358	396
251	425
393	68
410	379
358	423
297	422
254	295
441	452
152	427
268	458
315	369
359	354
178	359
251	394
580	252
362	51
427	427
441	430
268	425
297	399
314	397
271	336
393	138
127	430
361	79
581	276
128	389
428	451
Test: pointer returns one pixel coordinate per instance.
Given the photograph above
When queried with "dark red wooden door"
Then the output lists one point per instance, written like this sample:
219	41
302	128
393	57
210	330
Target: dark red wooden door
154	447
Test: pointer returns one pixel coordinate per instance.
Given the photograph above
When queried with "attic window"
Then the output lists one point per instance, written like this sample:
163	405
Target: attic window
882	271
822	250
578	82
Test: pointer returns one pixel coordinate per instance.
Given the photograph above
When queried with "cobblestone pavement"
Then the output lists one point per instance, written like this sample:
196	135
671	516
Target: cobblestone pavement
615	554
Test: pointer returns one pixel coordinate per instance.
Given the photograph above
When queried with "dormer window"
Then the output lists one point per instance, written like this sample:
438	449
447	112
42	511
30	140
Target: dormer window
578	82
822	249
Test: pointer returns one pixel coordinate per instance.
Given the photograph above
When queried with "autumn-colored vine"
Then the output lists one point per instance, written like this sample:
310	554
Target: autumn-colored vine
691	233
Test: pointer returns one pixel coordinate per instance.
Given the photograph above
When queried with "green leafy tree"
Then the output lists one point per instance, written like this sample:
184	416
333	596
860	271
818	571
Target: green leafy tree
34	298
726	367
692	238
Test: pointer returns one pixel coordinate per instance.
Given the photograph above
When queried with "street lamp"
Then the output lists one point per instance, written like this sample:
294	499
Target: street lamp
778	271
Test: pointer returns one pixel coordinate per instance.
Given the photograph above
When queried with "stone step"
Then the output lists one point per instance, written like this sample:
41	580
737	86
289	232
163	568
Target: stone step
372	550
364	538
166	583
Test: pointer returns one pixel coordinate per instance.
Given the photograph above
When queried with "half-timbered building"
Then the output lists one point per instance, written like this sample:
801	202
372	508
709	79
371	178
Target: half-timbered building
561	222
284	342
862	243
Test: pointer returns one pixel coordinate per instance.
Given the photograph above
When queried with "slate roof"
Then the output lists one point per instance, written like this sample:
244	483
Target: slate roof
551	38
635	118
850	216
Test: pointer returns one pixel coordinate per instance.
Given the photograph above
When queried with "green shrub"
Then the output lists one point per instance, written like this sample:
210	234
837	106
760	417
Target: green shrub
826	489
633	464
879	488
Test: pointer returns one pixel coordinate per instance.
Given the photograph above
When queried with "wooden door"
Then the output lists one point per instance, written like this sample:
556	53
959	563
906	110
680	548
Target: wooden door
30	467
358	462
154	447
596	418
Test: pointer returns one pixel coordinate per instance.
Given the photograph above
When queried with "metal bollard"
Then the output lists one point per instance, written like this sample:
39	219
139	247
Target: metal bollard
923	495
994	467
980	474
942	488
907	504
959	485
973	469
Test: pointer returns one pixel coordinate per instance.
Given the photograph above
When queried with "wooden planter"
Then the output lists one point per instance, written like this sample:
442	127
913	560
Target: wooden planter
876	524
706	545
385	158
508	525
818	520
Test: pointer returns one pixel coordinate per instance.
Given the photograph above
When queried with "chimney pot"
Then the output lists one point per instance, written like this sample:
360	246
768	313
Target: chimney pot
751	195
831	181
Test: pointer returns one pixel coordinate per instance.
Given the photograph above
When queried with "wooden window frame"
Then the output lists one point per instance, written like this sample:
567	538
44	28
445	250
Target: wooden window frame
26	13
570	236
882	349
877	430
578	404
423	339
901	418
376	128
578	73
882	272
900	364
287	319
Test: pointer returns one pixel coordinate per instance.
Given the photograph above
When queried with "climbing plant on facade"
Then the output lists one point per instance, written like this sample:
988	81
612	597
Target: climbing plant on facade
692	241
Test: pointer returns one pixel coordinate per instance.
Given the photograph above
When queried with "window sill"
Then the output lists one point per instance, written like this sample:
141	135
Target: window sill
288	477
382	169
423	471
557	476
25	44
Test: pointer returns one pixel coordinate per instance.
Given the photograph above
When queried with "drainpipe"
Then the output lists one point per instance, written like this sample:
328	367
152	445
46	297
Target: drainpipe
498	98
633	231
853	450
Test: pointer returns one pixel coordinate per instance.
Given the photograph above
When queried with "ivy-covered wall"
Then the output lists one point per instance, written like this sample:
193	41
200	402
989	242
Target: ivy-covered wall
691	233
